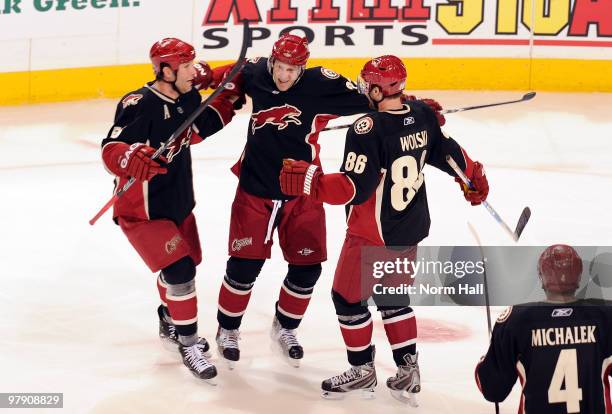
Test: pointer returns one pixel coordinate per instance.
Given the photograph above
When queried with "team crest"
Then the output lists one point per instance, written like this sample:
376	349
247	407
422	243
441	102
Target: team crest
172	244
253	60
363	125
230	86
131	99
116	132
279	116
503	317
328	73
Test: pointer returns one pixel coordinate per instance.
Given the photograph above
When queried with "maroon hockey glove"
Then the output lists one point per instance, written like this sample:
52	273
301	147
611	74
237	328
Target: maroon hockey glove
432	103
480	190
437	108
137	162
204	76
299	177
219	73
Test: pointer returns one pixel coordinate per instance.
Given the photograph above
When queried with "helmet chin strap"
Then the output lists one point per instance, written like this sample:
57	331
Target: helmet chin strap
173	83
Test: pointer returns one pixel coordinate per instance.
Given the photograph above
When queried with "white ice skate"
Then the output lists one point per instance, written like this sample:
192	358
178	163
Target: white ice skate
361	379
285	343
198	365
407	381
227	345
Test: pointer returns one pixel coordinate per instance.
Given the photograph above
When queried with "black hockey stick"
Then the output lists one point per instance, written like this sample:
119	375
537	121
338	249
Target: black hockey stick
486	289
246	41
523	219
525	97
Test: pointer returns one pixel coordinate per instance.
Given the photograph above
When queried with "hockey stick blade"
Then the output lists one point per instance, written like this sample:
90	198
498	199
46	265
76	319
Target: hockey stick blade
522	222
485	204
246	41
528	96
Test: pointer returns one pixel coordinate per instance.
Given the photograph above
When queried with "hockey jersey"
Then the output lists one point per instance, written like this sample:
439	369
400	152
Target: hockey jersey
384	157
287	124
148	116
561	353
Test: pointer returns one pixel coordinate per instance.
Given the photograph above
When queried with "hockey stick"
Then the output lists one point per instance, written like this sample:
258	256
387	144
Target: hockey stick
525	97
246	41
523	219
486	288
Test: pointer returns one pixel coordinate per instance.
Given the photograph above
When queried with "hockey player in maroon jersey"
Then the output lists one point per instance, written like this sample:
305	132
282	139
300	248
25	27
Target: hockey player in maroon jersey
291	105
381	179
560	349
156	213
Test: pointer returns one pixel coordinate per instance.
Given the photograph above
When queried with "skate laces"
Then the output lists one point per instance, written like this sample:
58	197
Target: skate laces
196	359
229	338
287	336
346	376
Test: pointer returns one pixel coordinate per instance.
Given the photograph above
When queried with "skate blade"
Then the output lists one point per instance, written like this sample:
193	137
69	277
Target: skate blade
276	349
366	394
210	381
228	362
405	397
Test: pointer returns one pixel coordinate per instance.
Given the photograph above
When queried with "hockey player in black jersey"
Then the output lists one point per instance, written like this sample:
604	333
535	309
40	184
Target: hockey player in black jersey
560	349
291	105
156	213
382	183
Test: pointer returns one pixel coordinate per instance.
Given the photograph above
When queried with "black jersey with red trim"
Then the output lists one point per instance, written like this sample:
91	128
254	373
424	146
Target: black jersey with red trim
287	124
562	354
384	157
148	116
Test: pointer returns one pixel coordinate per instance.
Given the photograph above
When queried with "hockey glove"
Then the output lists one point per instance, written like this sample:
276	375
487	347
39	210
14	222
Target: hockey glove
432	103
299	177
480	190
203	77
137	162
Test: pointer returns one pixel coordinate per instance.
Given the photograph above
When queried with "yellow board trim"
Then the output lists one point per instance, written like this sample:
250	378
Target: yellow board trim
567	75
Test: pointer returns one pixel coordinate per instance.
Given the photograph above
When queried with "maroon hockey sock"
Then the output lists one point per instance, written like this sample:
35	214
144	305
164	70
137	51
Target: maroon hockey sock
292	304
233	301
162	287
401	330
183	309
357	335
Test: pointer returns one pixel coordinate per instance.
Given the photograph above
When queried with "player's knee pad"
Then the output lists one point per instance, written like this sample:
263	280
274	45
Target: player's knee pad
304	276
181	271
243	271
345	308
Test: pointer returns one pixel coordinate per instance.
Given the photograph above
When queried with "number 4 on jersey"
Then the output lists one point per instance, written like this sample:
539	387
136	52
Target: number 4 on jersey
566	369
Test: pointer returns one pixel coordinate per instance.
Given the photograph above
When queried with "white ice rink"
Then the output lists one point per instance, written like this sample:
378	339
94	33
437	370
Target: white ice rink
77	305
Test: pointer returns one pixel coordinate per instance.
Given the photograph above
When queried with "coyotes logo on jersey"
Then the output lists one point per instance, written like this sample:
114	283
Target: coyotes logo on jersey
280	116
177	145
131	99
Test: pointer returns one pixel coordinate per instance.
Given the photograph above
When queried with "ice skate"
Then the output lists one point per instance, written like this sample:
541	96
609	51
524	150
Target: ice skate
169	335
358	378
198	365
227	345
285	342
407	381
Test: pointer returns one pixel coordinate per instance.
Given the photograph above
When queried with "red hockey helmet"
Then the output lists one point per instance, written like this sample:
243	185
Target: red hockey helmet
291	49
387	72
171	51
560	268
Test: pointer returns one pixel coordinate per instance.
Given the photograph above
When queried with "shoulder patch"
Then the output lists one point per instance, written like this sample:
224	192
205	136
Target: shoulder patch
116	132
503	317
363	125
253	60
328	73
131	99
